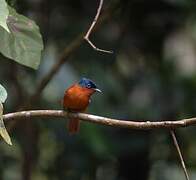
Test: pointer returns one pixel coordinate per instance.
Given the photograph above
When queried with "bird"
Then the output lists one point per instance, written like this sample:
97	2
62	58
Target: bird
76	99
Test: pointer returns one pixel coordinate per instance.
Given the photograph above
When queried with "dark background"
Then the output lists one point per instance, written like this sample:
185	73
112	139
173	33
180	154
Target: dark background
150	76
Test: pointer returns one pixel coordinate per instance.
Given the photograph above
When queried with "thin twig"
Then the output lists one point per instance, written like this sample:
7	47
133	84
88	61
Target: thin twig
179	154
86	37
131	124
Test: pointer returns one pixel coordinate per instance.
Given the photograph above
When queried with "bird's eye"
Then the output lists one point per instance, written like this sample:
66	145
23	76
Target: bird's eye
88	86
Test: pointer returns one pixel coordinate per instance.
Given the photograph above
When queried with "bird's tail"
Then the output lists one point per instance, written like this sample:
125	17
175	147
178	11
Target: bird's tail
73	126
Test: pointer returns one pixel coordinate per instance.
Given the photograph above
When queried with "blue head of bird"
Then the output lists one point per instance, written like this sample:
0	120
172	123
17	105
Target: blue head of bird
89	85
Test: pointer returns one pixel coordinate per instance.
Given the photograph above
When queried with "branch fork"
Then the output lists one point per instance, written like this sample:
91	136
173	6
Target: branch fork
86	37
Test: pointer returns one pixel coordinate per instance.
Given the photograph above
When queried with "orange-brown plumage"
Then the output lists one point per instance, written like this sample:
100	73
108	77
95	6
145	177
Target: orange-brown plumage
77	98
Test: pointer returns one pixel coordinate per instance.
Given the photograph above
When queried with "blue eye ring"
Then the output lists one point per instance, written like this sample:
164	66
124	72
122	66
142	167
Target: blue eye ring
88	86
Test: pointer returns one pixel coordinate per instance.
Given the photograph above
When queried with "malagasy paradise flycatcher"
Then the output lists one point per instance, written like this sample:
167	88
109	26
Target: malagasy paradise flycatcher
76	99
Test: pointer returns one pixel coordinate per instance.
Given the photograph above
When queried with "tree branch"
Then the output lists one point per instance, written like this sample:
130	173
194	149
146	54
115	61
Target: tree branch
131	124
140	125
86	37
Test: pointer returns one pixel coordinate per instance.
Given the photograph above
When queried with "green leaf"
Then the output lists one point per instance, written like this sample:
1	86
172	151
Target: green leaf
3	15
24	44
3	131
3	94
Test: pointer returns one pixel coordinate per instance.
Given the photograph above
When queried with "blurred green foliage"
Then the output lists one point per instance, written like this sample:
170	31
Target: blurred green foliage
22	41
150	76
